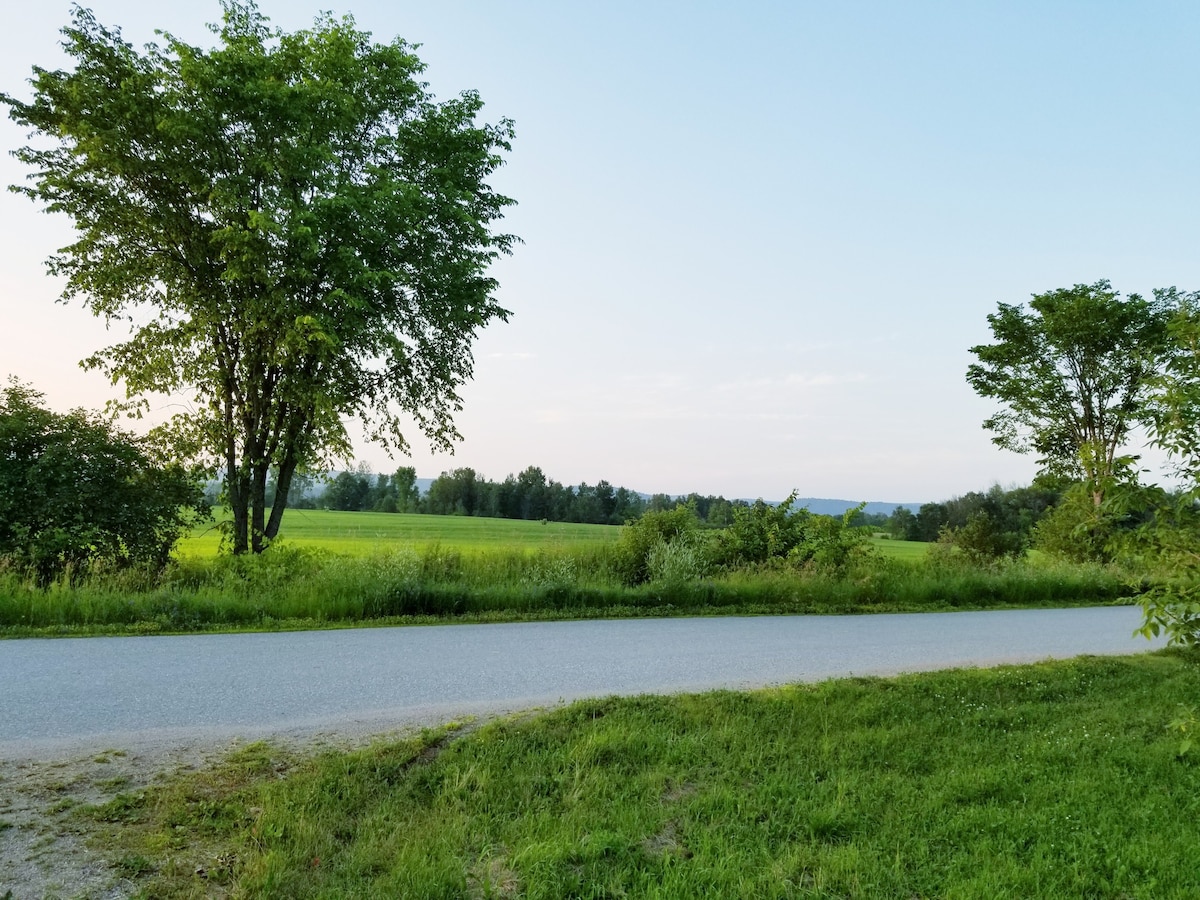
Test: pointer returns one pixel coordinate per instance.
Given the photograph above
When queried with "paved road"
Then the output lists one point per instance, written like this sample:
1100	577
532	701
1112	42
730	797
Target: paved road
61	694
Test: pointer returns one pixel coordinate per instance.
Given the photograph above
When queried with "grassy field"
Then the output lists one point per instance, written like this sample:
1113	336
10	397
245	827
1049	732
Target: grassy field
1055	780
907	551
368	533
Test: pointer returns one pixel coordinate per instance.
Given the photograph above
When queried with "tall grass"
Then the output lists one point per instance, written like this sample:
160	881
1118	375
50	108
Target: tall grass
302	587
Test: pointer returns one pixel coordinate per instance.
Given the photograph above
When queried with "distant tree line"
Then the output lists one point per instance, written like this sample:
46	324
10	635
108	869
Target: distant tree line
464	492
1013	512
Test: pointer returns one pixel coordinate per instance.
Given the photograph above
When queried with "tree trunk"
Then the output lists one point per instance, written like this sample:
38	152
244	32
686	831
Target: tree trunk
258	506
235	490
283	484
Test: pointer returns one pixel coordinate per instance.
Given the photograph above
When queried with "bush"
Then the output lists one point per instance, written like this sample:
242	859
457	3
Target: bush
762	533
1166	546
981	541
1075	530
655	529
677	561
75	490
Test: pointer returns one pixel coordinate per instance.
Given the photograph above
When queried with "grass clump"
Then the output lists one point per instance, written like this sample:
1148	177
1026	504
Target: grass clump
1034	781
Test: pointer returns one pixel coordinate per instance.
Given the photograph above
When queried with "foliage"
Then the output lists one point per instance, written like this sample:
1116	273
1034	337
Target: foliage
677	561
75	490
1076	529
1010	517
763	533
1186	725
1171	539
531	495
1073	374
901	524
347	491
301	230
1175	402
982	541
1170	543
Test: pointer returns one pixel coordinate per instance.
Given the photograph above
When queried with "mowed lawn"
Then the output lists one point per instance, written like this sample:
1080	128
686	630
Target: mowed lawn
370	533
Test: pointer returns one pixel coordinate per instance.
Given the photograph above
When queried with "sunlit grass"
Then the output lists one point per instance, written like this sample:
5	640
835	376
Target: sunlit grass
907	551
373	534
1055	780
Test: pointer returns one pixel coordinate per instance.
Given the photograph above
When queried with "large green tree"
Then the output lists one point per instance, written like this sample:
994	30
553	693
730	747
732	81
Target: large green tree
1072	373
299	232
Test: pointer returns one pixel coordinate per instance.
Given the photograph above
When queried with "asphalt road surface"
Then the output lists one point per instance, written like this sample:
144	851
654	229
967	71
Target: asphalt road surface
57	695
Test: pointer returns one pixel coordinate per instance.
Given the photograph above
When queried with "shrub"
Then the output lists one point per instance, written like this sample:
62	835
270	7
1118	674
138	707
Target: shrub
654	529
762	533
673	562
75	490
982	541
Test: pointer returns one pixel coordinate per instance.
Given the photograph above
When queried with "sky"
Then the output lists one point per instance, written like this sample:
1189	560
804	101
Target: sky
759	238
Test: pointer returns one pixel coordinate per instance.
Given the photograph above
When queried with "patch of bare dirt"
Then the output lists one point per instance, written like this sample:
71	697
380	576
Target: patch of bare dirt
44	847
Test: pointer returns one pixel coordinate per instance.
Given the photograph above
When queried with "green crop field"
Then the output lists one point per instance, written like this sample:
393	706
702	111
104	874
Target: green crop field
909	551
369	533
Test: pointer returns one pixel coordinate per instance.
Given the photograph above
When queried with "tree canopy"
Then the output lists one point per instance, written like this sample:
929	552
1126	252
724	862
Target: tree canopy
298	231
1175	399
1073	374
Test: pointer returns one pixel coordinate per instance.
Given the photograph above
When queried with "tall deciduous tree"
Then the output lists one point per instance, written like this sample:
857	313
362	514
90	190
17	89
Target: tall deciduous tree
301	231
1072	373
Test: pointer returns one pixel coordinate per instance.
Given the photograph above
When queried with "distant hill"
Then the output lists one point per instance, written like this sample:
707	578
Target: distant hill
837	507
826	507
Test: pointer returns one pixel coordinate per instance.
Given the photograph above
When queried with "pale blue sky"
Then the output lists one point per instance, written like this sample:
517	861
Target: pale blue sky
759	238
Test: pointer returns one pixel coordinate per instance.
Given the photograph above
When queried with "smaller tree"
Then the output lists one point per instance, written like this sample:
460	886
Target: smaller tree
348	491
76	489
408	495
1073	373
765	533
982	539
902	523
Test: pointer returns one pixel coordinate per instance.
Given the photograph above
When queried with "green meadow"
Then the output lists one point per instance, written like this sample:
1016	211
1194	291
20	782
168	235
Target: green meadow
1045	781
362	534
373	533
